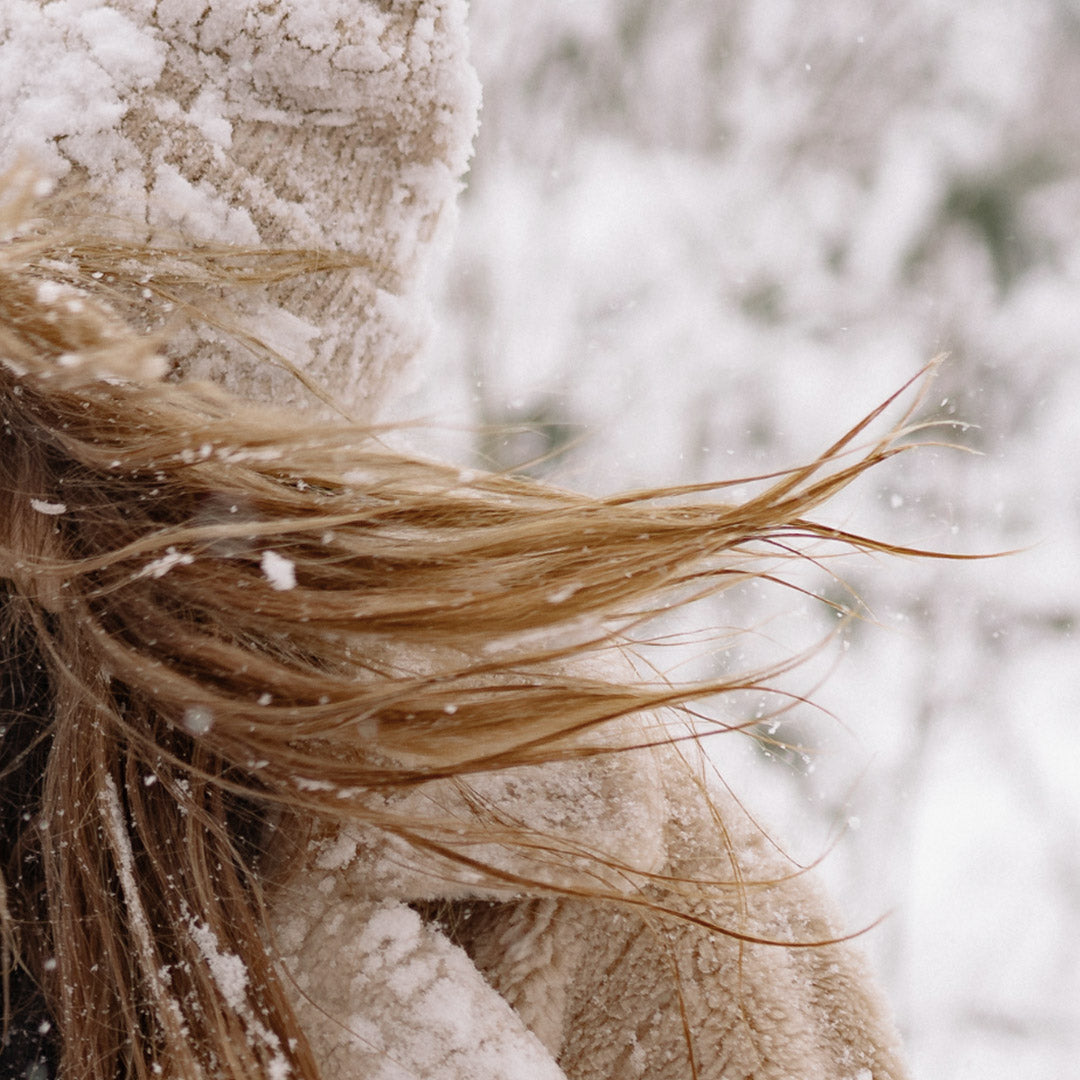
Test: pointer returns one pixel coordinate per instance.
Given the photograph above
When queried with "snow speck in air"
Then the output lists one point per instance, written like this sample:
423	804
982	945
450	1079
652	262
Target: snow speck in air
278	570
43	507
197	719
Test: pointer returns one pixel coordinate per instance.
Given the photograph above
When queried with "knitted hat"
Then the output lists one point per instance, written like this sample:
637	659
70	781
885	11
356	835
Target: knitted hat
343	125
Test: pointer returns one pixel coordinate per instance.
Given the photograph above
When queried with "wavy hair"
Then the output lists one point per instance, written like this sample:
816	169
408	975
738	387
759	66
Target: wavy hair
206	605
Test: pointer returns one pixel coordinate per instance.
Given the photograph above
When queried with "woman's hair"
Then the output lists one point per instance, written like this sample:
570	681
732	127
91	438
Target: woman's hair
218	621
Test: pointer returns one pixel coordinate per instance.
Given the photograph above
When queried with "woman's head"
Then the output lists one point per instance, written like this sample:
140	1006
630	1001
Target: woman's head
219	621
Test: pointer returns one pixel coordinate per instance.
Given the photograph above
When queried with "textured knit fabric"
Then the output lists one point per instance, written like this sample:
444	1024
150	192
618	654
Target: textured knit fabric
338	124
345	125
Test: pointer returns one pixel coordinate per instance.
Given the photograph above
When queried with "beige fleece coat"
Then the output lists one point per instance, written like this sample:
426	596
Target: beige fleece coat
346	124
610	993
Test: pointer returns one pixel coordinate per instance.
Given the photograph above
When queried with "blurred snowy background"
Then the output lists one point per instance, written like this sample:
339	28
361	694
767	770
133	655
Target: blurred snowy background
702	238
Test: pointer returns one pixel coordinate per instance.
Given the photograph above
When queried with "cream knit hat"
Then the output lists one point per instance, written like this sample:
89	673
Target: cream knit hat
338	124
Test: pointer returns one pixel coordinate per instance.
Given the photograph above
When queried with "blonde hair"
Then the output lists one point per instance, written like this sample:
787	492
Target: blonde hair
205	604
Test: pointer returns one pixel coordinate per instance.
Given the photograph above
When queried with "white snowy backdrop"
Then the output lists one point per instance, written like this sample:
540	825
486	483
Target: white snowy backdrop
702	238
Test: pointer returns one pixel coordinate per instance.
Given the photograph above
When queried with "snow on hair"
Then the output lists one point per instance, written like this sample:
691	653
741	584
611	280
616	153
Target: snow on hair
203	602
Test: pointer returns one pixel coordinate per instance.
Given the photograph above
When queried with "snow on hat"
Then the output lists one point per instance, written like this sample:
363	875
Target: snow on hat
343	125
